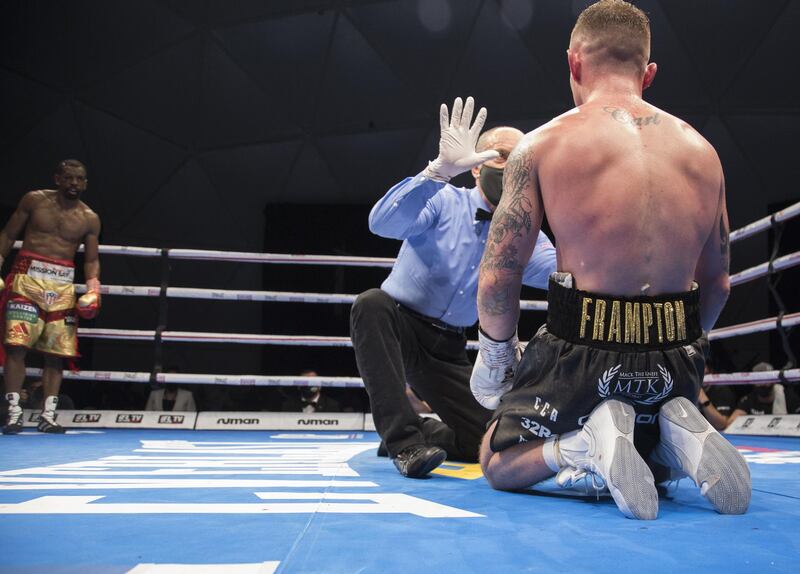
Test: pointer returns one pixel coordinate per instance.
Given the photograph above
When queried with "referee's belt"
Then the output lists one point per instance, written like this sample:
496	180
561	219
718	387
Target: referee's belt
435	322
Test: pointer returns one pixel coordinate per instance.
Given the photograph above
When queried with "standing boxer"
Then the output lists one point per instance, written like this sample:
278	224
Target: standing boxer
39	306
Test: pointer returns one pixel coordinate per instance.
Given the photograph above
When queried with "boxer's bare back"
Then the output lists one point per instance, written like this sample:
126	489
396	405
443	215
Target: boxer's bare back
634	196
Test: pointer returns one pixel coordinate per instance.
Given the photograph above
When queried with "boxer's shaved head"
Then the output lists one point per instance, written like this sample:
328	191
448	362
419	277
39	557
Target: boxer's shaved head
613	33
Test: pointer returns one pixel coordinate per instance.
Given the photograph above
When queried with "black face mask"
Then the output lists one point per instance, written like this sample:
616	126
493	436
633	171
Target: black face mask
491	180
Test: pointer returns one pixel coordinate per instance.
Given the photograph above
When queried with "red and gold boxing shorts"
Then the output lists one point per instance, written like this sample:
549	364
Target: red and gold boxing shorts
40	305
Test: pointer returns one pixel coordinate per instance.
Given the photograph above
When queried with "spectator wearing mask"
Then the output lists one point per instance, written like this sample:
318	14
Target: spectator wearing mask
309	399
171	398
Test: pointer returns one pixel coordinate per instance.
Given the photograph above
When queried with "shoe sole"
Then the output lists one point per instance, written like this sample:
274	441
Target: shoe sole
426	469
7	430
630	480
722	473
433	463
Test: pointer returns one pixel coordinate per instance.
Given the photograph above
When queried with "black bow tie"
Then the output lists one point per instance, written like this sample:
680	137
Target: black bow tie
483	215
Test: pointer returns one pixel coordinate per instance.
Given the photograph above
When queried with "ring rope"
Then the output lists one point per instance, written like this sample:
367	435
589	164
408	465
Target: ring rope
765	222
236	295
241	256
200	337
775	264
330	341
386	262
765	268
758	326
753	378
790	375
206	379
779	264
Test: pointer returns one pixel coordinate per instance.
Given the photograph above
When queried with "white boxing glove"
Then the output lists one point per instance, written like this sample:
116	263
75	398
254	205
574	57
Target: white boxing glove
457	142
494	370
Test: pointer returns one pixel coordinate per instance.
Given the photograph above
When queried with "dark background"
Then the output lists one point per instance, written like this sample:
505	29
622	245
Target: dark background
275	125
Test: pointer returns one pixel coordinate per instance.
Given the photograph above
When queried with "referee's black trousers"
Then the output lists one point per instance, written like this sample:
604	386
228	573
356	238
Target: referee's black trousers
392	348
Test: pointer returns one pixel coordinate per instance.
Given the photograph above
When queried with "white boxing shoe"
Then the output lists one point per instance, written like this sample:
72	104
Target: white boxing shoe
571	478
689	444
610	454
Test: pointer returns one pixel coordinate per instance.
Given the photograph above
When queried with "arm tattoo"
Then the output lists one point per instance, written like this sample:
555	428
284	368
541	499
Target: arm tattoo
512	218
724	244
511	221
496	302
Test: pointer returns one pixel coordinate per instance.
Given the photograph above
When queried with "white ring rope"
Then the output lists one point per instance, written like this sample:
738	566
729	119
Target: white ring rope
792	375
765	222
758	326
198	337
260	380
268	296
205	379
386	262
325	341
241	256
779	264
222	294
292	297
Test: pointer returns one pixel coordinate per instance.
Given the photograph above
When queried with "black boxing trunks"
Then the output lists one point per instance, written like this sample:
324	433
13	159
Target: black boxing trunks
644	350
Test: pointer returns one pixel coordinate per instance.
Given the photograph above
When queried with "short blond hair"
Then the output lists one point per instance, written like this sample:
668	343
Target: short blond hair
614	32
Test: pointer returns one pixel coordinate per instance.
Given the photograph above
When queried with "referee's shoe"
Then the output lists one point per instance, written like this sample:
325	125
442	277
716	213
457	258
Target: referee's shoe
417	461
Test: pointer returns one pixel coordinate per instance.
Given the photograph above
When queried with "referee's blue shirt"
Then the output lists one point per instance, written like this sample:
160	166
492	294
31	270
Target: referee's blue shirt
436	272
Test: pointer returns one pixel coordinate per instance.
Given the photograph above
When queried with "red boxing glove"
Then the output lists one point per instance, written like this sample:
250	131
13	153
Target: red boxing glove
89	303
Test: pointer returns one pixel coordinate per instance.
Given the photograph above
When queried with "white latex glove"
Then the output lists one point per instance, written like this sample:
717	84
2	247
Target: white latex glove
457	142
494	370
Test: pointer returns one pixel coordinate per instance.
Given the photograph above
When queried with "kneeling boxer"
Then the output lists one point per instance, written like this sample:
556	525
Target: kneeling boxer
39	306
636	201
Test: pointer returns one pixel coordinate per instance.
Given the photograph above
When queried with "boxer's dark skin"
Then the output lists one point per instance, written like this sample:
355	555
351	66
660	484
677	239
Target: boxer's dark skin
634	196
55	223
